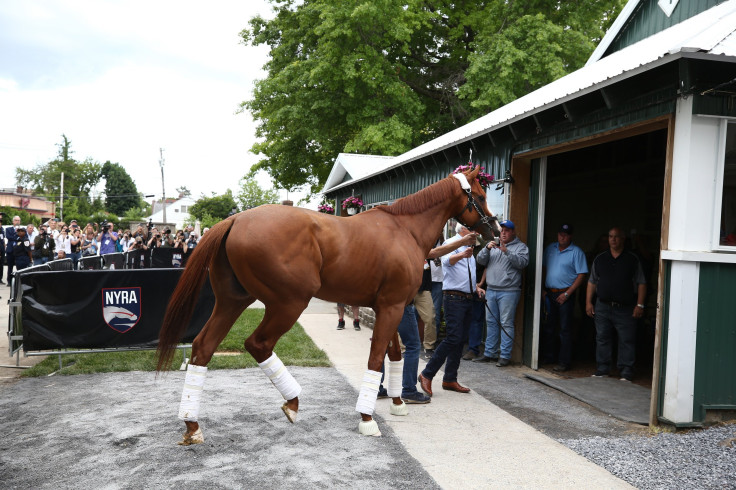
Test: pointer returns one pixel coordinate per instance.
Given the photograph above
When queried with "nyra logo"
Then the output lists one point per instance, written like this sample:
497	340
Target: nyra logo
121	308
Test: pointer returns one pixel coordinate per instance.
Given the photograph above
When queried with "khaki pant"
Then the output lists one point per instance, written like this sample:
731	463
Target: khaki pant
425	307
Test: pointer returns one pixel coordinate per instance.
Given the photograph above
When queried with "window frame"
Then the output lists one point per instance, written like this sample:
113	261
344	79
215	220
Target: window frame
719	181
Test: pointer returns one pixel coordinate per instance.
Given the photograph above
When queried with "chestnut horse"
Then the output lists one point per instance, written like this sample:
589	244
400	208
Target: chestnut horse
284	256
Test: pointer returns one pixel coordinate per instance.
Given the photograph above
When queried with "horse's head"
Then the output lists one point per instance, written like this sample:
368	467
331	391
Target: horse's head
475	214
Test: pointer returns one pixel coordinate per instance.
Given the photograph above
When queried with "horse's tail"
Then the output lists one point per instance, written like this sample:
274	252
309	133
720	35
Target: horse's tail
184	298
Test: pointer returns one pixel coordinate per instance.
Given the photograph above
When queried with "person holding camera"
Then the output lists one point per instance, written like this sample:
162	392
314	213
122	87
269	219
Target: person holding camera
126	241
63	242
107	238
180	242
155	240
43	246
166	240
89	244
192	242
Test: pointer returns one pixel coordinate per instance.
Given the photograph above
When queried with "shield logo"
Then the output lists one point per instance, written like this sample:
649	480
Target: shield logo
121	308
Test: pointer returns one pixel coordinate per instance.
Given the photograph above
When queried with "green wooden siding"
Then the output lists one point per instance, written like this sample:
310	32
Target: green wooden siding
649	19
715	350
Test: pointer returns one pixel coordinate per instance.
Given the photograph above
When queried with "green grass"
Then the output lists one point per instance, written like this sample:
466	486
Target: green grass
295	348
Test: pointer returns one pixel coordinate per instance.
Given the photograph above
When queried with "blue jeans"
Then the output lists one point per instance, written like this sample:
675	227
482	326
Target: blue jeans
458	315
409	333
610	319
437	300
502	305
475	334
563	313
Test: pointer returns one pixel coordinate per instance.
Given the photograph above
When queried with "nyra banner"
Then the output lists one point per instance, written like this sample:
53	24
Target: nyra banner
102	308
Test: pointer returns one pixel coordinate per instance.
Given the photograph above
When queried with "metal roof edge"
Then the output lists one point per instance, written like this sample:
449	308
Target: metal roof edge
616	27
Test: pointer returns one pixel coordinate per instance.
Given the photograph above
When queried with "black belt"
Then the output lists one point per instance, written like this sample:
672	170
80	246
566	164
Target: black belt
616	304
458	293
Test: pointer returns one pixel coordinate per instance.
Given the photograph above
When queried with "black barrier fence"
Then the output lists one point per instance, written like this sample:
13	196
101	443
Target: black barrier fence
97	309
90	263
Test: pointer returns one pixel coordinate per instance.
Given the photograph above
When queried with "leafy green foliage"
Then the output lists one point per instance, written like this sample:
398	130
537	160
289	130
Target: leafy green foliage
215	207
121	193
79	179
295	348
383	76
252	195
25	216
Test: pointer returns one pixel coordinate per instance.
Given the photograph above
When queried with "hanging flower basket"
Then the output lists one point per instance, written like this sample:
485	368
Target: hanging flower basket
326	208
352	204
484	179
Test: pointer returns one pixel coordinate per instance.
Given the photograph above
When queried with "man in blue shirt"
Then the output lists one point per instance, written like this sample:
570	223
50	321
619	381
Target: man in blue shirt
107	239
563	268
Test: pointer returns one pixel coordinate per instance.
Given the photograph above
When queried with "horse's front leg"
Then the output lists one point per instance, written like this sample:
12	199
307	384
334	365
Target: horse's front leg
387	320
395	375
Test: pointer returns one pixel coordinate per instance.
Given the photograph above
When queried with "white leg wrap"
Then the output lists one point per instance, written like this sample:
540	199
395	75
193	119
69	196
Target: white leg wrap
190	396
280	377
368	392
395	378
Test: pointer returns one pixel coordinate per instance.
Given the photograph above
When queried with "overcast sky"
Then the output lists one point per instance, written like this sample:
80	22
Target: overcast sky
124	78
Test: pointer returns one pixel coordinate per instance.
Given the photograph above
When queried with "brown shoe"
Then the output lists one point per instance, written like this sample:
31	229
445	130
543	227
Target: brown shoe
469	356
455	386
426	385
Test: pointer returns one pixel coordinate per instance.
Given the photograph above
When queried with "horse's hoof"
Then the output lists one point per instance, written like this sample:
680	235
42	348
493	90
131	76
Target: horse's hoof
369	428
290	414
399	410
189	439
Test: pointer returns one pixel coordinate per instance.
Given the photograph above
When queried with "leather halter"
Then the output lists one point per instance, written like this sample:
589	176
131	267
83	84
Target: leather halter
472	204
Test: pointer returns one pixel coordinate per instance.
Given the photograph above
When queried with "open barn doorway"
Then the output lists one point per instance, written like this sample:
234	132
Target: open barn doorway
617	183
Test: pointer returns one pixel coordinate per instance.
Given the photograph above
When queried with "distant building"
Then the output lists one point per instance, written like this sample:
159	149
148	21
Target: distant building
177	212
22	199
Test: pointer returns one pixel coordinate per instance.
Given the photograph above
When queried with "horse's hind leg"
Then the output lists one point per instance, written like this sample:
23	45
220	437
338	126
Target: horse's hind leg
231	300
203	348
276	322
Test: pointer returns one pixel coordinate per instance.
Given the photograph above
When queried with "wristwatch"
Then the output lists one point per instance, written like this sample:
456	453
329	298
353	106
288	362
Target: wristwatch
566	295
641	306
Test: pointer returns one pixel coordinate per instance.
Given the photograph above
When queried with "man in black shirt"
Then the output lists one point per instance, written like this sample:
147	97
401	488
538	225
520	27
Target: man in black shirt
617	278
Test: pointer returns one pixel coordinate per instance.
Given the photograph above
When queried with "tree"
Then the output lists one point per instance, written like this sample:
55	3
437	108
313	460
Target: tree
252	195
79	179
383	76
121	193
183	191
215	207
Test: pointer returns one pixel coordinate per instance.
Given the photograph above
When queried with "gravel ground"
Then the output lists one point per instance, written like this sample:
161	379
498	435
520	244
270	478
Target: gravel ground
693	459
120	430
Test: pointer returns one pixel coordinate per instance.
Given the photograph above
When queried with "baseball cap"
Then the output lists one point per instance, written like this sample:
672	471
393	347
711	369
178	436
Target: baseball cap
507	223
566	228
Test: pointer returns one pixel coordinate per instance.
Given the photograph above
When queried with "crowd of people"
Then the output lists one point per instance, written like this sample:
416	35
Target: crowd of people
477	287
22	246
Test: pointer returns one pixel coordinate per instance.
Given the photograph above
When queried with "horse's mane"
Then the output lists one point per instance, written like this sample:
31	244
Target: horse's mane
420	201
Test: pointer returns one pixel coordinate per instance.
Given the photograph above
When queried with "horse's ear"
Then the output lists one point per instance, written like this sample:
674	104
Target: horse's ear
474	173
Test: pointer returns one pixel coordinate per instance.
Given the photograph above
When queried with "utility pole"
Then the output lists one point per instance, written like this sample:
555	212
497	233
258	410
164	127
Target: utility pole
163	188
61	199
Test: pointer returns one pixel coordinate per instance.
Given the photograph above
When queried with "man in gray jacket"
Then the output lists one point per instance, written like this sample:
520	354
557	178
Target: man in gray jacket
504	263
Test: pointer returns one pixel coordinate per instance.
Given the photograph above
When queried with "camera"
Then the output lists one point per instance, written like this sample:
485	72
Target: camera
167	231
150	224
